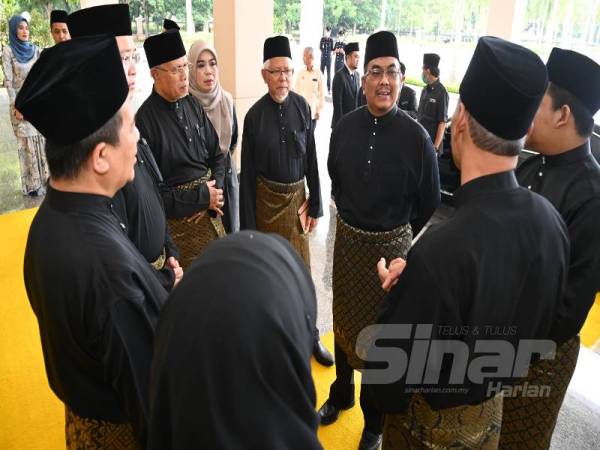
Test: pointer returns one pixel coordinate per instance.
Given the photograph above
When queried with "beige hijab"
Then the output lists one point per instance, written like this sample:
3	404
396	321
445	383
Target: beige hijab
218	104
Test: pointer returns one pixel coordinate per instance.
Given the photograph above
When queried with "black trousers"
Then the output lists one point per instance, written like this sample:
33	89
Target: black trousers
326	65
341	393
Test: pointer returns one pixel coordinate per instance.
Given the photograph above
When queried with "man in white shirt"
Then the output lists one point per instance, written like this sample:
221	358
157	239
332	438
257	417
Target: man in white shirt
309	84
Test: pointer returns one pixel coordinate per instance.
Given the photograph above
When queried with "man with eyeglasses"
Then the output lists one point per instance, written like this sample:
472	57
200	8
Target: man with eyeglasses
384	179
186	148
346	84
278	153
139	203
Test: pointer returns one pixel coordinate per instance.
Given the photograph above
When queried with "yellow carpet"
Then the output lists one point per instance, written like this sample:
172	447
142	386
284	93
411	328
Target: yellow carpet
32	418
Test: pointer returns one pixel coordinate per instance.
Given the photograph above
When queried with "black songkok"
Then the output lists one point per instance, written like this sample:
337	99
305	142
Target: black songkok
576	74
113	20
85	77
503	87
276	46
164	47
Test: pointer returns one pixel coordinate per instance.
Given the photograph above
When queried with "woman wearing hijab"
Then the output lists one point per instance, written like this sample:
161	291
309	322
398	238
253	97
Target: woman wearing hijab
17	59
218	105
231	368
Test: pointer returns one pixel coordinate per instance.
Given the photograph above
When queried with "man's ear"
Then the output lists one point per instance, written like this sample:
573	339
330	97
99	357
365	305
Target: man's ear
99	161
263	72
562	116
154	74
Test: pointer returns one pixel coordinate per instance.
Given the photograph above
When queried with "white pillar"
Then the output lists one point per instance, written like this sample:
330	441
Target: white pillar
240	29
311	28
506	19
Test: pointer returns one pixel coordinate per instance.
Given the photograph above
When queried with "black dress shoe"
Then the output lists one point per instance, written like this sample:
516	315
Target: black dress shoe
321	354
369	441
329	412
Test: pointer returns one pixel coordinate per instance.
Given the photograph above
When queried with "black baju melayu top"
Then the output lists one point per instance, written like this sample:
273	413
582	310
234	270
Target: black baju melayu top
407	101
185	145
141	209
571	181
383	171
97	302
345	93
433	107
278	143
496	270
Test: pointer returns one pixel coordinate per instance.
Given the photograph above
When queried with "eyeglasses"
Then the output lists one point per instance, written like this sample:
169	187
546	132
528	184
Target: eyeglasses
377	73
175	70
131	58
278	72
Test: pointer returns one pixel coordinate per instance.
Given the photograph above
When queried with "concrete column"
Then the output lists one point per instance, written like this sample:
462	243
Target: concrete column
311	28
506	19
90	3
240	29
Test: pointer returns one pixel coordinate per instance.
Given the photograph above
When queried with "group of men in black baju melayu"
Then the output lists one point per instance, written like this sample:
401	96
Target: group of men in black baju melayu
145	356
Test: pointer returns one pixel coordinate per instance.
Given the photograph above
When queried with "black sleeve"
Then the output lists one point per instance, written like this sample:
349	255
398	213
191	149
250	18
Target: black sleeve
428	190
442	108
337	99
583	280
412	104
127	338
234	133
315	209
184	203
331	164
216	156
416	299
170	247
322	44
248	179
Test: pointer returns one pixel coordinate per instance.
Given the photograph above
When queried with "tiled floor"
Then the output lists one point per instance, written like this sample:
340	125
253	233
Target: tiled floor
579	421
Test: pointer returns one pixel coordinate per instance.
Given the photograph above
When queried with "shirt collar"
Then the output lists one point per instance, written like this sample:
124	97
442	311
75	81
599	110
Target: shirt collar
165	104
571	156
487	184
76	201
432	86
348	69
382	120
285	103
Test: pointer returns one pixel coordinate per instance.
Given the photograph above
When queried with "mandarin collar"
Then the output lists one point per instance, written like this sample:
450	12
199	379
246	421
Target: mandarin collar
165	104
487	184
381	120
576	154
76	201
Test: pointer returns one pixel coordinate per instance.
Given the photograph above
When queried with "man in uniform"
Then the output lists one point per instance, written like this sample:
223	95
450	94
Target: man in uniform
346	85
95	297
309	84
58	26
338	50
488	280
433	105
139	203
326	47
567	175
384	179
277	159
185	147
407	100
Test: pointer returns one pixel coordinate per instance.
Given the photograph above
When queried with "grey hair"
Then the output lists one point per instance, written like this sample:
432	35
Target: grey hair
267	63
488	141
309	49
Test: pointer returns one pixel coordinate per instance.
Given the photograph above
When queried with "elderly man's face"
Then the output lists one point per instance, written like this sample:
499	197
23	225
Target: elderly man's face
130	58
381	84
60	32
279	77
308	58
171	79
